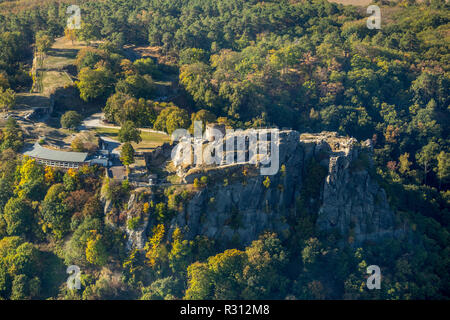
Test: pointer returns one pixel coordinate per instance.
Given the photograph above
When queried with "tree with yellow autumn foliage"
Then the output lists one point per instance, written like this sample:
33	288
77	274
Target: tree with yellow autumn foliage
70	34
156	252
179	253
96	253
49	175
30	182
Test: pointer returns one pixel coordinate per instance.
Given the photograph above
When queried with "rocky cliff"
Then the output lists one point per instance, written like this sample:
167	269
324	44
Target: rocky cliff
323	174
237	205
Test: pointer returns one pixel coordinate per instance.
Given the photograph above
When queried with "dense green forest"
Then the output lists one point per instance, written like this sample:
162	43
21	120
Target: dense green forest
307	65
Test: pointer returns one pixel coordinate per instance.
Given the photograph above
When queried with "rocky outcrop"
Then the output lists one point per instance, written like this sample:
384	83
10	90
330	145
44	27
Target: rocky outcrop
353	203
135	230
136	237
159	155
239	204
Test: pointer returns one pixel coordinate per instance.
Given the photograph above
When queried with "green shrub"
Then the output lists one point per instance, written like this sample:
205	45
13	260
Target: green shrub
134	223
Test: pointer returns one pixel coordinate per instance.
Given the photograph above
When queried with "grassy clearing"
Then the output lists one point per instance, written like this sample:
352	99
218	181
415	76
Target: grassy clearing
62	54
50	73
54	60
25	101
150	140
108	132
51	80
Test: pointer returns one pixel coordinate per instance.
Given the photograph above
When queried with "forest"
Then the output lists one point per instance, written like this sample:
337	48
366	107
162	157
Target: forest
307	65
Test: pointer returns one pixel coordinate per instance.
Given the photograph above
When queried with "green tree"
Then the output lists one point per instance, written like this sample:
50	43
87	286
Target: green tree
43	42
200	286
77	145
129	133
311	251
89	58
404	163
161	211
264	273
179	255
227	269
127	154
11	137
55	218
196	78
136	86
133	267
426	156
429	86
96	253
71	120
71	180
443	167
146	66
75	248
95	83
219	278
162	289
24	288
205	116
18	216
30	182
192	55
87	32
114	108
4	82
7	99
172	118
19	269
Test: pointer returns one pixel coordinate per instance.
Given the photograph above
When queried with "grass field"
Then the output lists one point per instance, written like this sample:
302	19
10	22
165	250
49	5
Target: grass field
51	80
150	140
51	69
55	60
51	73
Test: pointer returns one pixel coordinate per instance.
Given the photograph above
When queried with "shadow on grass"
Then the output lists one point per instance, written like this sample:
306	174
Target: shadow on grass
66	53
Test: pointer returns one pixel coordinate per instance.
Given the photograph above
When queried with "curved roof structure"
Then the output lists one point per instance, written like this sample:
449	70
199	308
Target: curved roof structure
37	151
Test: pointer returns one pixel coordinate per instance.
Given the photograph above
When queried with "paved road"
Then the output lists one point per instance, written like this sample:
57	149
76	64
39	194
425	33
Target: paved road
95	121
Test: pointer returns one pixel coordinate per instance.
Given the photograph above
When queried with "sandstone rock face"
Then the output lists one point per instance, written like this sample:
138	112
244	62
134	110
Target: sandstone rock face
238	207
159	155
135	238
354	203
